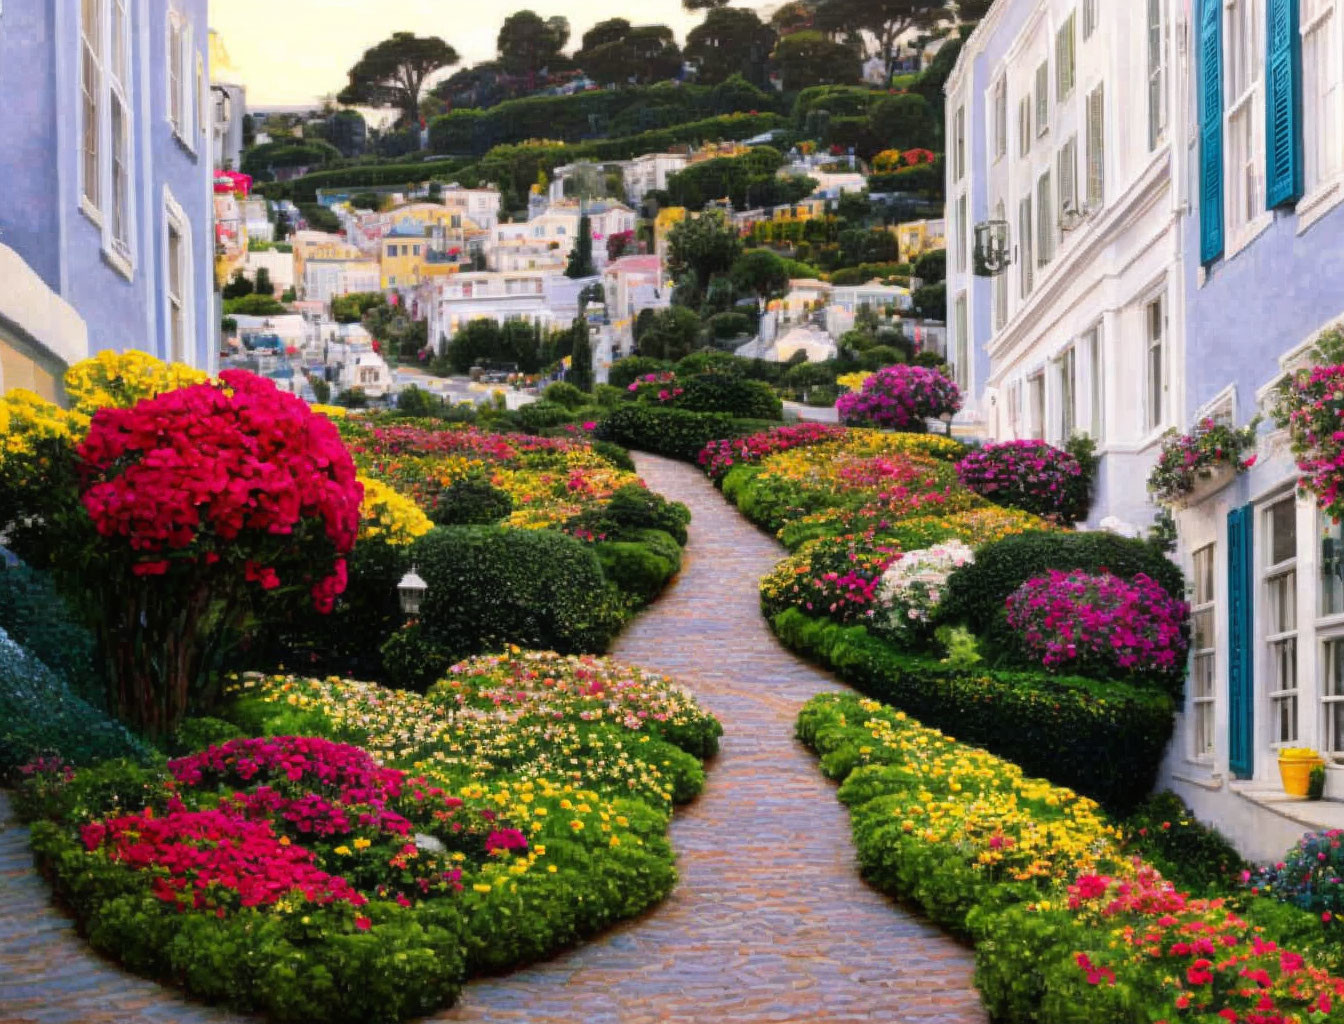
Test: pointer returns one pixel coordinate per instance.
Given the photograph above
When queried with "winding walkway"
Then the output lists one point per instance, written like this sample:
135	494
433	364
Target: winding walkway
770	923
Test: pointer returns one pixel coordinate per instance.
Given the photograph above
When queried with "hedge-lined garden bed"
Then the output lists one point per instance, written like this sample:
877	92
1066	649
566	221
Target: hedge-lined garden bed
373	848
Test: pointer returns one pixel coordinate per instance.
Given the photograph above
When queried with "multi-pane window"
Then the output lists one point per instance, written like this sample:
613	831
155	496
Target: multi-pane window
177	305
1066	370
1155	332
1203	654
1045	217
1091	17
1157	73
175	74
1096	147
1043	97
1332	697
959	144
1331	584
1245	117
1001	118
1036	405
1025	259
1068	177
962	359
1065	58
1280	618
1096	382
1024	126
121	175
91	94
1001	281
1323	147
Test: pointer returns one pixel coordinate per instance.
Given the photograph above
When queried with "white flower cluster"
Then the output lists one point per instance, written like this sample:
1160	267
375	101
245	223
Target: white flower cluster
912	588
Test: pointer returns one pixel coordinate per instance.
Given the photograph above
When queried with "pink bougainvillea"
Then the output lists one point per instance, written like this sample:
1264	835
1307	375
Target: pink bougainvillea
901	398
1029	475
1100	624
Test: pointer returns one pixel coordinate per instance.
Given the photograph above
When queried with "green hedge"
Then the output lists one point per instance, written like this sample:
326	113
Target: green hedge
1105	740
40	716
491	586
35	616
729	393
676	433
976	593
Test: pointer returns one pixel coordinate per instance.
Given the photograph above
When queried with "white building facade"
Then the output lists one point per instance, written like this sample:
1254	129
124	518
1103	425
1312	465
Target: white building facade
1066	129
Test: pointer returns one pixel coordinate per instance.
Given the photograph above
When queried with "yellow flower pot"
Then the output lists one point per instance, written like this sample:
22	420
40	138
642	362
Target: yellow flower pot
1295	770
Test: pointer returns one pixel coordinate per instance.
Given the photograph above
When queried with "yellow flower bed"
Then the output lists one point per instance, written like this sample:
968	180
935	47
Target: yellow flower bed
385	513
121	379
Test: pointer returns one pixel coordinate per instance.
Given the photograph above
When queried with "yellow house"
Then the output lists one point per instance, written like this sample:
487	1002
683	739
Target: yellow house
804	210
917	237
318	245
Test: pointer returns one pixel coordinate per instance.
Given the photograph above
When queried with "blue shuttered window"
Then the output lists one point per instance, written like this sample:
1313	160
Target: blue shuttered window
1211	130
1241	640
1283	105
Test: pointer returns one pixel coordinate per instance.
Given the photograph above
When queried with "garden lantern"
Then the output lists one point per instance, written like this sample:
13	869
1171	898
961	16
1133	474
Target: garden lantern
411	591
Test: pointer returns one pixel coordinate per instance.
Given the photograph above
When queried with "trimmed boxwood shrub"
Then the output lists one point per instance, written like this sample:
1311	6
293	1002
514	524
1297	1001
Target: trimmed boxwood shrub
625	372
976	594
727	392
676	433
637	569
542	416
490	587
615	454
1105	740
566	394
40	716
471	501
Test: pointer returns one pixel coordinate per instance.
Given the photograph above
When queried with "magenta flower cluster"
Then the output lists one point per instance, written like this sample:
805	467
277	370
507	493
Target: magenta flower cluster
1100	624
901	398
1312	408
719	457
1029	475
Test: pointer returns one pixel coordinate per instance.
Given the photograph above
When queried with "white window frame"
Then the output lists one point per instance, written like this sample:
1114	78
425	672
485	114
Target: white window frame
1036	405
1094	339
961	343
1000	281
1014	401
1066	391
1091	18
963	228
1156	361
1066	58
1096	147
91	107
1024	135
1001	118
1278	640
175	219
1243	123
1043	98
1045	221
959	144
1322	108
1068	176
1155	31
1025	257
1203	701
111	205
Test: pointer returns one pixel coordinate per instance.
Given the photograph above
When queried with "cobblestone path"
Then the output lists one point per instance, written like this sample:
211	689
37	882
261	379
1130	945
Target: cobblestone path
770	922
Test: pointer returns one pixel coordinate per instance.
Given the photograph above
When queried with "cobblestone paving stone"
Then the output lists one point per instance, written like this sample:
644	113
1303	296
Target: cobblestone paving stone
770	923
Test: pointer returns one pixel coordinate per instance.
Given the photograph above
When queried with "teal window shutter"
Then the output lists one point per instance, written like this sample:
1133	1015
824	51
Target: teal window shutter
1283	105
1241	641
1211	130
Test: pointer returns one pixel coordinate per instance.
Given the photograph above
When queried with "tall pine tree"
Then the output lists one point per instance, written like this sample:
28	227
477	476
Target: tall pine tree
581	365
581	256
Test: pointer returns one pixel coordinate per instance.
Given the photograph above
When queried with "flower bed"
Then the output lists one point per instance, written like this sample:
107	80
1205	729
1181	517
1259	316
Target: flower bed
1066	927
901	398
1029	475
1100	624
519	807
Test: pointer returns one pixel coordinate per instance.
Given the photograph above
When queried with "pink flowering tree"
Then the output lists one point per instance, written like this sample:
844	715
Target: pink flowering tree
201	501
1102	625
901	398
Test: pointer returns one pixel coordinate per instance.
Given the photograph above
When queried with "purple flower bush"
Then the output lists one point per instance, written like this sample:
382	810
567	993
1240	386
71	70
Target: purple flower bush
1029	475
1099	624
901	398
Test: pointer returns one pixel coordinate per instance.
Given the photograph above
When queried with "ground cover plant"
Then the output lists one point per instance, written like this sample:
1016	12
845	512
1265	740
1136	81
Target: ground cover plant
371	848
1067	925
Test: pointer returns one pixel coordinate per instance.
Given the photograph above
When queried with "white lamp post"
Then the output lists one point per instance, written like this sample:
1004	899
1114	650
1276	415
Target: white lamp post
411	590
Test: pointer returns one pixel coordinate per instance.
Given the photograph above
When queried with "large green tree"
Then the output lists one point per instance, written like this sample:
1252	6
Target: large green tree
732	40
809	58
527	42
581	360
671	334
760	272
581	256
702	247
885	20
393	73
616	53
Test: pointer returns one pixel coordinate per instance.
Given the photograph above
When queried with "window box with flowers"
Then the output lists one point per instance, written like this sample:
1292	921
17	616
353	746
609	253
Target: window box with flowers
1194	466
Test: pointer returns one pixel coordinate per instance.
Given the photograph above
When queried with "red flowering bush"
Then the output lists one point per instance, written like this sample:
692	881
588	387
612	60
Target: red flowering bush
1030	475
196	496
901	398
1099	624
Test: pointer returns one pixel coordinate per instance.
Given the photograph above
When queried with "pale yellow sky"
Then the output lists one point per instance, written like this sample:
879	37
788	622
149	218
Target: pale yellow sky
295	51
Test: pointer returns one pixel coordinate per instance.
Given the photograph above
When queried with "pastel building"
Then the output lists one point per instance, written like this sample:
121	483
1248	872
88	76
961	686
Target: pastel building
107	164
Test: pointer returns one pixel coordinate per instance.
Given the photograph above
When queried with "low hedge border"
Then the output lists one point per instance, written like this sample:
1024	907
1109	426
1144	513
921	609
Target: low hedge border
1067	928
1105	740
676	433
